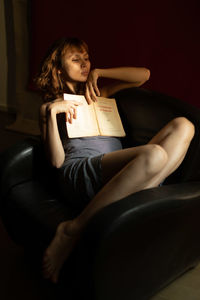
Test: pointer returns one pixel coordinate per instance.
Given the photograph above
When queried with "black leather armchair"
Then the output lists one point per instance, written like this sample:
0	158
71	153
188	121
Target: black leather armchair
130	249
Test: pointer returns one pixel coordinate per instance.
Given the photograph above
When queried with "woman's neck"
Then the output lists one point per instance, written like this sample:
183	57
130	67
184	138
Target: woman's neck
72	86
76	88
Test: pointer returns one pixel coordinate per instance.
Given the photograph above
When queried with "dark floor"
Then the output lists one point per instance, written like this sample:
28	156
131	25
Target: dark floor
18	280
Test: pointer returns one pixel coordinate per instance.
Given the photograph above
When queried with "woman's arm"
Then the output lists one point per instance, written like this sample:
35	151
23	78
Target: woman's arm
49	128
126	77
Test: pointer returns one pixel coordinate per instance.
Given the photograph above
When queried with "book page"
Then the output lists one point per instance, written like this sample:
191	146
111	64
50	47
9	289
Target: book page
85	124
108	117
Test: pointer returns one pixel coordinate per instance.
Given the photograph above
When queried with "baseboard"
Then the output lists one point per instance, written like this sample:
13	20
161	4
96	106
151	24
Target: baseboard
8	109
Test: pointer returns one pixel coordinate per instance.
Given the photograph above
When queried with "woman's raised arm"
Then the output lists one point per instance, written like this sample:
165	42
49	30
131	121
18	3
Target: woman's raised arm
126	77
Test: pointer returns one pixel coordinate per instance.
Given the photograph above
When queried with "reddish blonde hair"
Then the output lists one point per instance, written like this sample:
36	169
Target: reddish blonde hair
48	81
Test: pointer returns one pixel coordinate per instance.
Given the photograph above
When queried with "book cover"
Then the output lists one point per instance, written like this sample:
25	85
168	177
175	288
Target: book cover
99	118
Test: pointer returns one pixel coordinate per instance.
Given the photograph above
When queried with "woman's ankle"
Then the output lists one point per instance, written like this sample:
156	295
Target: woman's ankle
70	227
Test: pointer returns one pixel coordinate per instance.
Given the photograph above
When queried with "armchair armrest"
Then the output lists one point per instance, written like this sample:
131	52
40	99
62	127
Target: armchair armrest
151	236
158	199
17	164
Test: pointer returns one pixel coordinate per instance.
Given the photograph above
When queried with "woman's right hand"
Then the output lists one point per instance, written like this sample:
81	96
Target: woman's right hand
92	90
63	106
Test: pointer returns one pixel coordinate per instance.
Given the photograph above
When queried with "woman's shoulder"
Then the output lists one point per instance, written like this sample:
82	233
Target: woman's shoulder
47	104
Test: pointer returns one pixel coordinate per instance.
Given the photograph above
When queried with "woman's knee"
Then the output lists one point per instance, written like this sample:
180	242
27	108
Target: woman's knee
184	128
155	158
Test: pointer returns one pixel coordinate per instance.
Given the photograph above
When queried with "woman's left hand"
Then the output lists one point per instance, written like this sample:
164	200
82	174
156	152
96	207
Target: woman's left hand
92	90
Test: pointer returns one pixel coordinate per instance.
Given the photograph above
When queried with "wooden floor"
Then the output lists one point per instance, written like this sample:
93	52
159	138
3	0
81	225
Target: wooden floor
187	287
17	281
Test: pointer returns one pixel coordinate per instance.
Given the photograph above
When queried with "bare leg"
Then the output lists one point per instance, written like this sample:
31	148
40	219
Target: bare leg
175	138
125	172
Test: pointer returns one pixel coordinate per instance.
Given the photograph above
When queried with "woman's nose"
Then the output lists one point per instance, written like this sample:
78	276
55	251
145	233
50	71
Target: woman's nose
83	64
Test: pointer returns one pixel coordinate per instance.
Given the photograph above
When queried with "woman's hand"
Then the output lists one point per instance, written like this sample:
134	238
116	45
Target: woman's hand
92	90
63	106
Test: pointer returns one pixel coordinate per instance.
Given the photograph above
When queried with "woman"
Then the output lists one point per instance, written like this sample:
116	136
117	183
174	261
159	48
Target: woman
97	171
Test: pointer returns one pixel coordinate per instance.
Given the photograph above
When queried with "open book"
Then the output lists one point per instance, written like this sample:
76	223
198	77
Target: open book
99	118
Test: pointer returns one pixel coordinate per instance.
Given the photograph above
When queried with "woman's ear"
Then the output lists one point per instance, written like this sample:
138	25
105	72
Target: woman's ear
59	72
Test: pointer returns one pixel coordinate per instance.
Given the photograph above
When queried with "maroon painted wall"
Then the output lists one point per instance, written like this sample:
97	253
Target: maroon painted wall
162	35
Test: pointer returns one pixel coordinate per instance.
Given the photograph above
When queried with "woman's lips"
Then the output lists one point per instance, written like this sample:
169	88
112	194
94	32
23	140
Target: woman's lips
85	73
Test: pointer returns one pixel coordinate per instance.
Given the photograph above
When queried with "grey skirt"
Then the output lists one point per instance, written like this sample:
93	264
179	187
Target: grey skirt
81	179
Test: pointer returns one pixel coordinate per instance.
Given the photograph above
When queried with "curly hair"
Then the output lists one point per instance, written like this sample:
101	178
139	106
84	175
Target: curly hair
48	81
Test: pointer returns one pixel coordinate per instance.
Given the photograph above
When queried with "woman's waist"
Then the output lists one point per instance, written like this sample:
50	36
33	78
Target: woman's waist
83	147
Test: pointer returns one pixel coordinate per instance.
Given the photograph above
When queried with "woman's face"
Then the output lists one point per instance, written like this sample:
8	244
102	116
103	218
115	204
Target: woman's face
75	65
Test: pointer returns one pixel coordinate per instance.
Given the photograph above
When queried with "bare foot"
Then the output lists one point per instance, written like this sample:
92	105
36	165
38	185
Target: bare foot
58	251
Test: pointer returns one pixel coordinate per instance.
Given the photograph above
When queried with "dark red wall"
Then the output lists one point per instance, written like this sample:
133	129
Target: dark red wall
161	35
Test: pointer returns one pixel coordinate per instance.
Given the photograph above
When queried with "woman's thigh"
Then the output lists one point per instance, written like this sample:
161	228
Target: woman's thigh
113	162
177	132
174	138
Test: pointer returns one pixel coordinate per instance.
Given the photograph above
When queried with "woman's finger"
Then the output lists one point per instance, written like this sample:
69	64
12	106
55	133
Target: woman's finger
87	95
92	93
74	112
96	88
70	114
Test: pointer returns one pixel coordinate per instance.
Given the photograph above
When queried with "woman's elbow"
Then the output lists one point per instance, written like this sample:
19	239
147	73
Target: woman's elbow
147	74
57	163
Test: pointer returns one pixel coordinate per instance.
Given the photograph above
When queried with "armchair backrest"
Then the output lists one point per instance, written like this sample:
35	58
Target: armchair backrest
145	112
